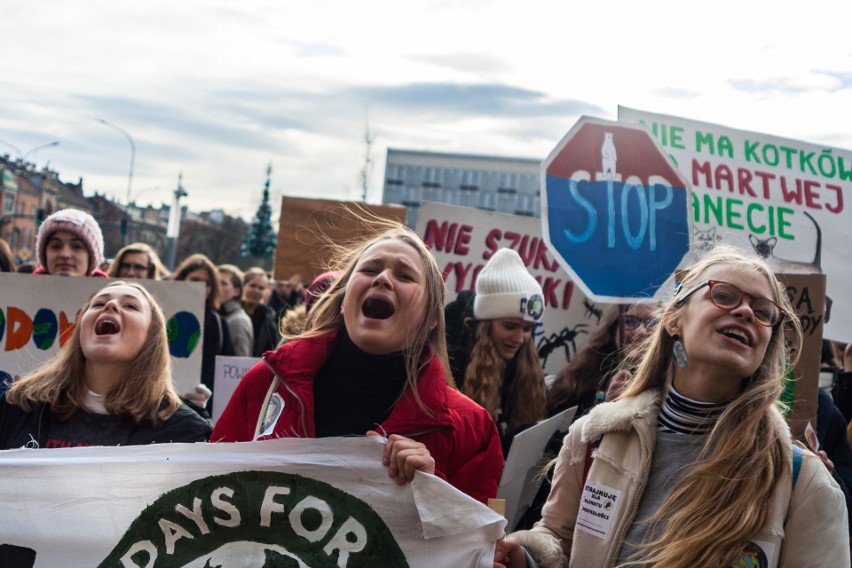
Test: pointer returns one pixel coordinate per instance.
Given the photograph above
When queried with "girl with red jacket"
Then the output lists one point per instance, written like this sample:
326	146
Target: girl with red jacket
373	359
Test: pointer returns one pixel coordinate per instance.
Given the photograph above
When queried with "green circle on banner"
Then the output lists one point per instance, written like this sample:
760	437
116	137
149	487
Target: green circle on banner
257	518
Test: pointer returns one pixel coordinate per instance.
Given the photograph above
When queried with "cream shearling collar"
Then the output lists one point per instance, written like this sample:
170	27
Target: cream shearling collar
621	415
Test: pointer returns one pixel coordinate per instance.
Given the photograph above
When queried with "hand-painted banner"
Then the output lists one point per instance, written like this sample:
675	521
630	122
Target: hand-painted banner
782	198
463	239
293	502
37	315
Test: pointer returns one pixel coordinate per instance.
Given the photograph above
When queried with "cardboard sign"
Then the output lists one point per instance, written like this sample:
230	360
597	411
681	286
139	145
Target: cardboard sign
308	225
293	502
782	198
807	294
463	239
37	311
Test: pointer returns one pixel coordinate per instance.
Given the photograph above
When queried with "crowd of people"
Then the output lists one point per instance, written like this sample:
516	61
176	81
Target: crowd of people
679	434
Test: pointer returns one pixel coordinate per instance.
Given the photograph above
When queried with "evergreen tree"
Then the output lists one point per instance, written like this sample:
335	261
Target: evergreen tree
260	240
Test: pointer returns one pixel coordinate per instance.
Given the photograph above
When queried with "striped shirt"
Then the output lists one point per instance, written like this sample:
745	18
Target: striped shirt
682	415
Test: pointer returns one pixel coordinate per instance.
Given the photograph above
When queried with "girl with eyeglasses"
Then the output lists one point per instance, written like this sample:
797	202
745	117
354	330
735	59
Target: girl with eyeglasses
597	368
694	465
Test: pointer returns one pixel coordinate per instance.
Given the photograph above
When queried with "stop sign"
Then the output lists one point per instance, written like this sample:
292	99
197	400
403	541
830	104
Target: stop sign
614	210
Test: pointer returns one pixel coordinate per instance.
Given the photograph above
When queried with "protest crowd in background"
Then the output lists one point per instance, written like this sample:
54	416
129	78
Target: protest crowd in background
457	375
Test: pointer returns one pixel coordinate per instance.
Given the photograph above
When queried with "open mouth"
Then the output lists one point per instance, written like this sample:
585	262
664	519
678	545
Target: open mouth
737	335
377	308
107	327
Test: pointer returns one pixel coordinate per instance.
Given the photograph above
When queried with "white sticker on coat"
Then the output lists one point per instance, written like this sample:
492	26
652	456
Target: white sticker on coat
271	414
598	507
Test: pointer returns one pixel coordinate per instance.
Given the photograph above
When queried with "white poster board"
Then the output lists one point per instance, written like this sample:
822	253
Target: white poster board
37	311
784	199
228	373
463	239
522	472
289	502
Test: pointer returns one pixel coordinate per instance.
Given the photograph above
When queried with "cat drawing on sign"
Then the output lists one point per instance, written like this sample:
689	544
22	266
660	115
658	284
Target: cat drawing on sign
703	240
608	156
766	249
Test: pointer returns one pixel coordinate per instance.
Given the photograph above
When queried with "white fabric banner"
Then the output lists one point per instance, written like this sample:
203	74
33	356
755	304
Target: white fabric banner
284	503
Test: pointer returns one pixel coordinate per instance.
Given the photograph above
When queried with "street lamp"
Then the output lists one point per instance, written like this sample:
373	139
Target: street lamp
30	151
23	155
129	175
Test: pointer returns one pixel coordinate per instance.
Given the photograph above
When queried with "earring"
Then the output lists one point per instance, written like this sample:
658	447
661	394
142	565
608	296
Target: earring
679	352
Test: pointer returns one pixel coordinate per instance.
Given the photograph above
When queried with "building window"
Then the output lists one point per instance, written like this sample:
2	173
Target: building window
431	178
470	180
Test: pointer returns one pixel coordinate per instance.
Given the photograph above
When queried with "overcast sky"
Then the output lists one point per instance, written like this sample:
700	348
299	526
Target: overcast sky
217	90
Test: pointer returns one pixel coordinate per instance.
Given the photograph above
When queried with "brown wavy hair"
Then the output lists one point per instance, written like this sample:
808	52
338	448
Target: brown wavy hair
597	359
483	379
193	263
429	341
156	269
144	393
724	500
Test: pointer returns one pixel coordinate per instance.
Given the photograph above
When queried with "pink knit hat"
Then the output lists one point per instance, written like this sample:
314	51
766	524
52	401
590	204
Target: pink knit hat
79	223
319	285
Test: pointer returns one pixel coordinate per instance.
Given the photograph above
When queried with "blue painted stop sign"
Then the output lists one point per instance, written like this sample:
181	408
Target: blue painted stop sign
614	210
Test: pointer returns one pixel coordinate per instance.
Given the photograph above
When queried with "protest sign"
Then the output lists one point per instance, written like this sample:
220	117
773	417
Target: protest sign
522	472
308	225
463	239
614	210
781	198
807	293
290	502
227	375
37	315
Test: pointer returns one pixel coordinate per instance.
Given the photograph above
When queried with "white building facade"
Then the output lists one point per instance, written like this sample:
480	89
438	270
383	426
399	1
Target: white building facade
492	183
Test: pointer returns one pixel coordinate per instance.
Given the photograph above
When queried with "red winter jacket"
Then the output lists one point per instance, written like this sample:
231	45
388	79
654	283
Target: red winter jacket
461	436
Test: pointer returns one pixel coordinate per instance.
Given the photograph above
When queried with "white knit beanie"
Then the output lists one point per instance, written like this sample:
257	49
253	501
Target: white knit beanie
505	289
80	224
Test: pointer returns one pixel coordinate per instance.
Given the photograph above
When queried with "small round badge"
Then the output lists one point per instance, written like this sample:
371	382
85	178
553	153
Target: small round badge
535	306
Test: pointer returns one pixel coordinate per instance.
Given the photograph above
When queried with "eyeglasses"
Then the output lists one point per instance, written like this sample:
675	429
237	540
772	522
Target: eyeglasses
728	297
632	322
126	266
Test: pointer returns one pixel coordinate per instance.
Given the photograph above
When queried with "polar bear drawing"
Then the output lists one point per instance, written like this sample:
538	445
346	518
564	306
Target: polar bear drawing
608	156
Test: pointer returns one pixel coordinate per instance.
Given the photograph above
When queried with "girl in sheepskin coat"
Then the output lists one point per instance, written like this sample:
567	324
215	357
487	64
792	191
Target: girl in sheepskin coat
694	464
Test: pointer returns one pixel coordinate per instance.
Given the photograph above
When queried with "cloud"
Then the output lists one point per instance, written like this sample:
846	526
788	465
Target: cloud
467	62
472	100
317	50
676	93
755	86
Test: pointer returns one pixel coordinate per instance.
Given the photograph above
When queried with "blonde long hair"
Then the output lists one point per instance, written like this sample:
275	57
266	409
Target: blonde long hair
713	512
429	341
483	379
144	393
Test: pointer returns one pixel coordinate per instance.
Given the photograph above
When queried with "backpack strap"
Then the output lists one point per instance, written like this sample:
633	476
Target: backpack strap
798	454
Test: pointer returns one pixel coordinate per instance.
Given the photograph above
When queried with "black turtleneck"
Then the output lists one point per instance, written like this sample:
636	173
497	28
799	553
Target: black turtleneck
355	391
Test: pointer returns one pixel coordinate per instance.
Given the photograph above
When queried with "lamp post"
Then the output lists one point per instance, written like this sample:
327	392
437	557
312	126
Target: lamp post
23	155
31	150
129	175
